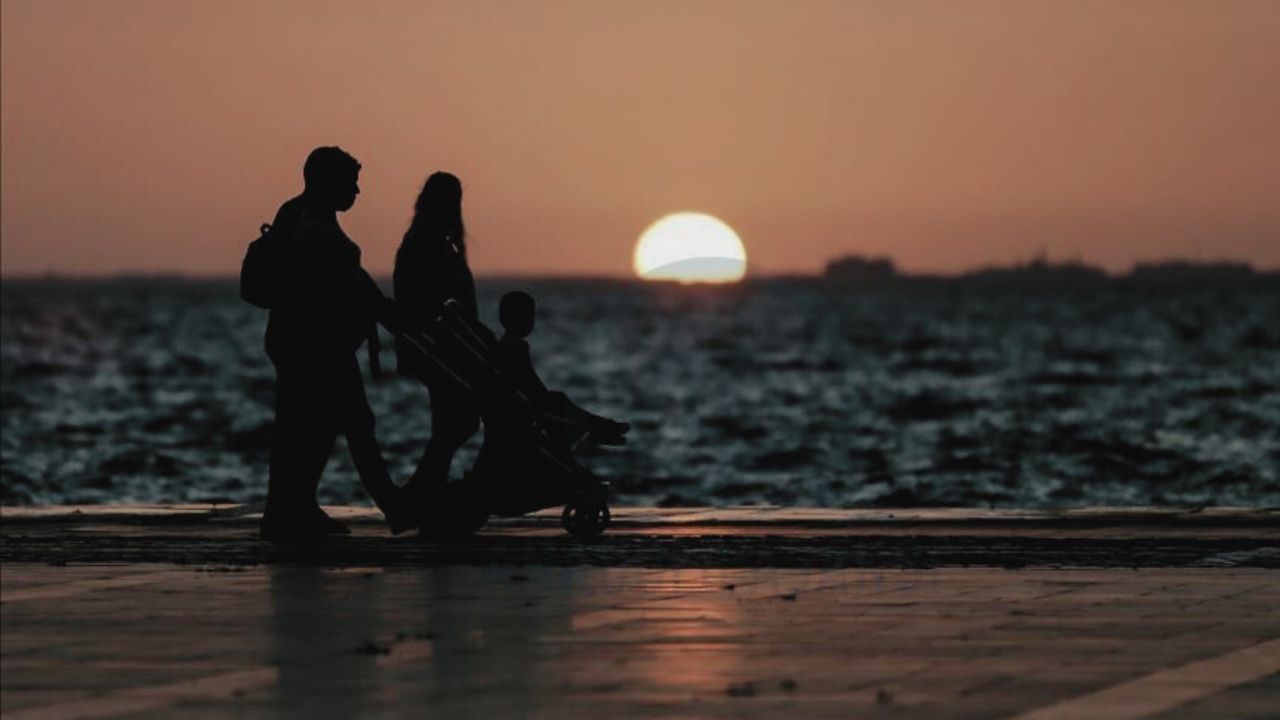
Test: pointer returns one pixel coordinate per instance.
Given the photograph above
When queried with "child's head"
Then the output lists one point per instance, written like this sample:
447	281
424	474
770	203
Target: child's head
516	311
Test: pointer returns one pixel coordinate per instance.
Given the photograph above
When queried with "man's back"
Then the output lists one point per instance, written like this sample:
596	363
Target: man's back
326	301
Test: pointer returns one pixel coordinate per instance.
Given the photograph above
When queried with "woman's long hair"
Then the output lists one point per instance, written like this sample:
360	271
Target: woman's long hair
437	216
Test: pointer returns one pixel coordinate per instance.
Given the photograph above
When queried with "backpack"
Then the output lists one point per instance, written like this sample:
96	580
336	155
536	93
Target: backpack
260	272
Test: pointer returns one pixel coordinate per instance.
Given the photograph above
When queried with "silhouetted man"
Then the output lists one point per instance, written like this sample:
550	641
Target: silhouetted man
325	306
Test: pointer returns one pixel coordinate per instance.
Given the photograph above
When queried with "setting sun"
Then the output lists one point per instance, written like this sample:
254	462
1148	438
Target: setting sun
690	247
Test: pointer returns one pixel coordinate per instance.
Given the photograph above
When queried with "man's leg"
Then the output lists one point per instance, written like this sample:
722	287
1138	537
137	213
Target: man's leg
315	450
283	454
309	402
358	427
301	443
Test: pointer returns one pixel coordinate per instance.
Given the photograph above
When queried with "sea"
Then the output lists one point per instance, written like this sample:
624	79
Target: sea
785	392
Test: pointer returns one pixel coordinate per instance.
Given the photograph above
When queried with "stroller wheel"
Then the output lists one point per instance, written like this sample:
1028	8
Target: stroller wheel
584	519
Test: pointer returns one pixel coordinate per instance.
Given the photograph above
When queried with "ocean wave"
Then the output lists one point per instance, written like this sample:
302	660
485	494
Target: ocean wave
784	393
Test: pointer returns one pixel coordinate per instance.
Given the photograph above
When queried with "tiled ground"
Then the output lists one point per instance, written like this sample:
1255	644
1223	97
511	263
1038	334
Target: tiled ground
155	612
157	641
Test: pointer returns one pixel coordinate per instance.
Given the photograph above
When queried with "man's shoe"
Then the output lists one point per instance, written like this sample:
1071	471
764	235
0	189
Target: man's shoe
289	529
327	525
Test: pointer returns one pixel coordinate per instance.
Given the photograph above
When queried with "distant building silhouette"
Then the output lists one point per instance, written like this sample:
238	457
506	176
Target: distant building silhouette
1039	273
859	269
1042	273
1185	272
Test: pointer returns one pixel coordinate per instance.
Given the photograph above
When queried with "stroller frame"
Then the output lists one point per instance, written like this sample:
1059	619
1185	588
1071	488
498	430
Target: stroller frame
462	350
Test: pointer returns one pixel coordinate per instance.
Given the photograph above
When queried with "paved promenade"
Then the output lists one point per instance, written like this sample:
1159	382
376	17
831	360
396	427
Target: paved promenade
181	612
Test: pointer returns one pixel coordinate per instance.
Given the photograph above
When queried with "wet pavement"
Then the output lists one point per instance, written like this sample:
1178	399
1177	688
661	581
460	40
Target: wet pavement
133	613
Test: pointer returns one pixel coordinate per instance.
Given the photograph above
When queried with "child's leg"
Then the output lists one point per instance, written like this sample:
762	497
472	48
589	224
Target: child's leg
560	404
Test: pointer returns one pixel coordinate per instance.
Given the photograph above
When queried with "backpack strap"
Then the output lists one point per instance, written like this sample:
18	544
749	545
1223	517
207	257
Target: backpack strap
375	352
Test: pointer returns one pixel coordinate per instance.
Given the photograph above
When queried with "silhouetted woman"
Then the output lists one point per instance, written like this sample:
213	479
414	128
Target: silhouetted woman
431	267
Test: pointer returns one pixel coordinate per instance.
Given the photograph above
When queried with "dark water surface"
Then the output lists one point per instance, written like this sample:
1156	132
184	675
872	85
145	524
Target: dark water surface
787	392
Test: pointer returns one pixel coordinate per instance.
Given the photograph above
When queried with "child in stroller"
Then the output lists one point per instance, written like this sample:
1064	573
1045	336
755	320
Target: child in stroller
516	312
526	462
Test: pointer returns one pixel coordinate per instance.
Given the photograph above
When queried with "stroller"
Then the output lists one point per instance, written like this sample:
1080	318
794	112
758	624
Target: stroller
526	462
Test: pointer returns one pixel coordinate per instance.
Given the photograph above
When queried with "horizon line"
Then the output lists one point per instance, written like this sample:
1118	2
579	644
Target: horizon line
754	272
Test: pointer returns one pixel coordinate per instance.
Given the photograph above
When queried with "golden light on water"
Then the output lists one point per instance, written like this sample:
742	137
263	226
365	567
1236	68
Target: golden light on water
690	247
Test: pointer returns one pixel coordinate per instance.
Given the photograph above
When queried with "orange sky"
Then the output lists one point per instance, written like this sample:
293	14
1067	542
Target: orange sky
154	136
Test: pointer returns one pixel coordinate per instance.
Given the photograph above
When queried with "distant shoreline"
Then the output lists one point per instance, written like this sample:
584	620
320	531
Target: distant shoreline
854	277
847	269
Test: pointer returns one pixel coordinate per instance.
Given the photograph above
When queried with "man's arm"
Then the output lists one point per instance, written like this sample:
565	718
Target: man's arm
378	308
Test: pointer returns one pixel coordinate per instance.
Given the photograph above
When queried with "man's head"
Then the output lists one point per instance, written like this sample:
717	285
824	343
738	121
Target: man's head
332	178
516	311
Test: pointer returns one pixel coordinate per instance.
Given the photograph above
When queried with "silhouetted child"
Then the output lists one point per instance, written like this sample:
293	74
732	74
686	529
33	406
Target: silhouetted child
516	312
